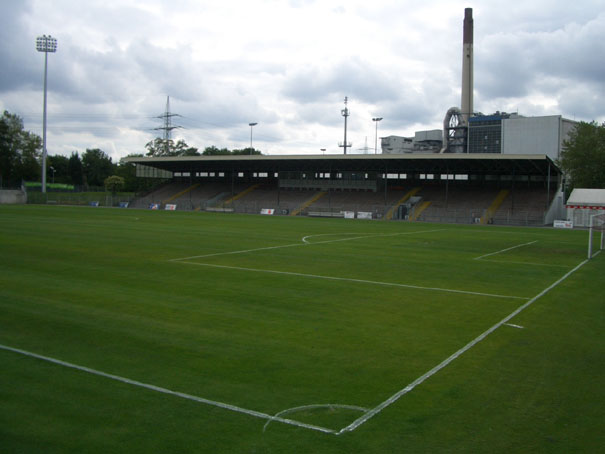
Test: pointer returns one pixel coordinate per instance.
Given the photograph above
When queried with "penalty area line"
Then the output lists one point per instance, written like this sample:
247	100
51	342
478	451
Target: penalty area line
395	397
505	250
304	242
349	279
234	408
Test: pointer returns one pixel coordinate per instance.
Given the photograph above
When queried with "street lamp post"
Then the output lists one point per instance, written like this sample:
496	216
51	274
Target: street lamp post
252	125
376	120
45	44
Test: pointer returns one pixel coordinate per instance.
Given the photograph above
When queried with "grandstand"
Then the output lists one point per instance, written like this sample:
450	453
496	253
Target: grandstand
498	189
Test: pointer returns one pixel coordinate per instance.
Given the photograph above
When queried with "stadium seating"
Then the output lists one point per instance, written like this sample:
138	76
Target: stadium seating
432	202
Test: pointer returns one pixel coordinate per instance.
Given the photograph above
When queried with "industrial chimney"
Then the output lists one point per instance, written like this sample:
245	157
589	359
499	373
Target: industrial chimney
466	104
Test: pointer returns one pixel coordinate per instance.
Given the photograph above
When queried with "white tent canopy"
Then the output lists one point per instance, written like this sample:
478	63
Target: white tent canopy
583	203
586	197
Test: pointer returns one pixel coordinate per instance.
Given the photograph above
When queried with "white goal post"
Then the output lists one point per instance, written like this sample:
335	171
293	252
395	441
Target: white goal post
597	223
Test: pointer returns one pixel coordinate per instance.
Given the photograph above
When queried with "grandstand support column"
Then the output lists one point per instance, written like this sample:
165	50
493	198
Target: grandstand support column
386	183
512	192
548	187
278	189
447	183
232	181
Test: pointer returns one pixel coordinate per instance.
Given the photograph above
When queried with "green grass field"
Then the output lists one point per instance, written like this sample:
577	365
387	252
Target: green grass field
208	325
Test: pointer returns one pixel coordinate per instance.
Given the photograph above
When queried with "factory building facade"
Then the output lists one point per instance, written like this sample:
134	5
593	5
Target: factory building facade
499	133
514	134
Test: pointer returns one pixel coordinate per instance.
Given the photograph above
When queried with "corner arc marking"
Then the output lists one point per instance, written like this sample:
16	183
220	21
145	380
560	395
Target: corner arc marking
313	407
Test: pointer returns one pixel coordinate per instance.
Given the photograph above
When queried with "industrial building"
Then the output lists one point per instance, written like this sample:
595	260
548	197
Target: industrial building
499	133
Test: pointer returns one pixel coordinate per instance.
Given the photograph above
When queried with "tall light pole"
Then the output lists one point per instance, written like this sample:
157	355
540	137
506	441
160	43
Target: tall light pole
376	120
252	125
45	44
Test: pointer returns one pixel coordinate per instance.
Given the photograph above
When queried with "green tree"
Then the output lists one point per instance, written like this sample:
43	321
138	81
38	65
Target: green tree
127	171
246	151
75	170
113	183
161	147
97	166
583	156
214	151
20	151
60	164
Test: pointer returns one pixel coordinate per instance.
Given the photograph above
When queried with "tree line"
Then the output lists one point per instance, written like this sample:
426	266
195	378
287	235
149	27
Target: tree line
21	154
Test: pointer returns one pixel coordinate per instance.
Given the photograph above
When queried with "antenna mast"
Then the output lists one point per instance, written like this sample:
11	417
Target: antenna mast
345	113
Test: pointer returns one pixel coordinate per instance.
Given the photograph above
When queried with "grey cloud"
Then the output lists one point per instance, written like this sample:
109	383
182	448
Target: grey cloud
20	68
552	62
353	77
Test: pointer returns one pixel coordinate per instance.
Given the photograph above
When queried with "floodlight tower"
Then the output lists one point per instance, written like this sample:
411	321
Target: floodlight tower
252	125
45	44
376	120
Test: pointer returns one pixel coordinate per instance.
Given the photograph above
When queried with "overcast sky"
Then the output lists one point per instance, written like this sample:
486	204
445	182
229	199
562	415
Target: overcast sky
287	65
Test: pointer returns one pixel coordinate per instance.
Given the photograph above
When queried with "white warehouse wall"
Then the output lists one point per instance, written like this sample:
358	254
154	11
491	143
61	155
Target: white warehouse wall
535	135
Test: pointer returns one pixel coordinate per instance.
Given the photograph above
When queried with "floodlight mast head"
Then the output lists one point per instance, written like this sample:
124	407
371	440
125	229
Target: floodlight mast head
46	44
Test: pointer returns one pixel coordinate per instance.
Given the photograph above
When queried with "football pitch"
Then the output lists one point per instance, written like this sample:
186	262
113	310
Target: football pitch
144	331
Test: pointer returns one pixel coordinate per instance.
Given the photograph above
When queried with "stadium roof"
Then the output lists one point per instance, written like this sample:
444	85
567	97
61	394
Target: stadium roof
486	164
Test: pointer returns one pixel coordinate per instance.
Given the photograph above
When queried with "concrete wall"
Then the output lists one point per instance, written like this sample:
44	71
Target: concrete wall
13	197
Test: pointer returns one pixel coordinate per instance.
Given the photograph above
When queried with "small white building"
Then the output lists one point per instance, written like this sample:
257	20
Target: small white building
583	203
397	144
423	142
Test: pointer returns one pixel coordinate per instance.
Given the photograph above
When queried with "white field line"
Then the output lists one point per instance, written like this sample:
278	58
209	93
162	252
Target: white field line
395	397
315	407
507	249
304	243
305	238
523	263
237	252
128	381
368	235
514	326
348	279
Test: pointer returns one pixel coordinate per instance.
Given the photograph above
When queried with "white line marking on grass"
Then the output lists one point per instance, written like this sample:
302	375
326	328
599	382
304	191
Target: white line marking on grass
128	381
507	249
348	279
524	263
395	397
305	238
315	407
514	326
237	252
368	235
303	243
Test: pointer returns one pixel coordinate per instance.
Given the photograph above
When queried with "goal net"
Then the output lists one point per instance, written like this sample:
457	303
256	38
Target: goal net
596	234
